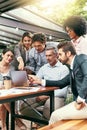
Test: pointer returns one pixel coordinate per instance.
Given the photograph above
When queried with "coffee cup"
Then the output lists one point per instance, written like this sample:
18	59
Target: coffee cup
1	84
7	82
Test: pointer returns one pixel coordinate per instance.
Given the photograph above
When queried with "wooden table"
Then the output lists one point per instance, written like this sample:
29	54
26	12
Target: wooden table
67	125
12	97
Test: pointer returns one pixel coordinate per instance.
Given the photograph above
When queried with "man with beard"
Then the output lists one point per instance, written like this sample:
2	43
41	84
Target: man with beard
77	79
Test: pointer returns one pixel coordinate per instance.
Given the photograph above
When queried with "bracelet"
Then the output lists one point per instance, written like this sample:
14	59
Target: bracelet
79	102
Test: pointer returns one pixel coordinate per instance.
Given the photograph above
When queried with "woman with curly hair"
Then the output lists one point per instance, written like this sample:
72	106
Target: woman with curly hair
75	26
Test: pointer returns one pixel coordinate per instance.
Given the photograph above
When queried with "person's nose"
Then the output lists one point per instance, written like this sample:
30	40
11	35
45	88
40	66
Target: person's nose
47	57
37	48
10	58
58	58
27	43
68	32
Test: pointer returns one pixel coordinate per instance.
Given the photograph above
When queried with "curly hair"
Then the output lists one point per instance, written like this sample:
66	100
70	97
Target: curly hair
77	24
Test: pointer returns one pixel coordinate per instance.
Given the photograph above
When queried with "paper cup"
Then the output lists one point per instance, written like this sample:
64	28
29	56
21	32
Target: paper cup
7	84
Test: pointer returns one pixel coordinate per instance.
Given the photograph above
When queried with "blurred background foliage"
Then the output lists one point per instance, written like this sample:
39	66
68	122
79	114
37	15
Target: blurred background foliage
58	10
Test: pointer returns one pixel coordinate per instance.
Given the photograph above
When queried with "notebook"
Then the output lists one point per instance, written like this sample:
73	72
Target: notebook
19	78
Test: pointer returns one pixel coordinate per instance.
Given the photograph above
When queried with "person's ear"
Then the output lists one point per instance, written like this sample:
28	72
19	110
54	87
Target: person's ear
68	53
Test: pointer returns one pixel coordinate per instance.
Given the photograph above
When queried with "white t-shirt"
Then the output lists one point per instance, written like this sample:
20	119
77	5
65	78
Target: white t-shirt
81	45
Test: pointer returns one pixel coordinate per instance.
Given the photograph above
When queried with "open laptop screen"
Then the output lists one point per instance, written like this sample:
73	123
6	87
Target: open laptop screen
19	78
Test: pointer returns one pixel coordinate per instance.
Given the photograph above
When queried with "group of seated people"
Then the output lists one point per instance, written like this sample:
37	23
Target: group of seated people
30	54
36	57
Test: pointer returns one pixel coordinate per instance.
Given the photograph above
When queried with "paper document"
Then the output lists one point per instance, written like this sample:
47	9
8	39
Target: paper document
18	90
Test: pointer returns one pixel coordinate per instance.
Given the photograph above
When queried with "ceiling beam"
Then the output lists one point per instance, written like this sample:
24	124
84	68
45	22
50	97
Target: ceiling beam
10	37
32	28
6	5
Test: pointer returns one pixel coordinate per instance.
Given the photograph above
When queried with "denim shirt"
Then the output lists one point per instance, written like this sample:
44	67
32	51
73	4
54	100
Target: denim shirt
36	59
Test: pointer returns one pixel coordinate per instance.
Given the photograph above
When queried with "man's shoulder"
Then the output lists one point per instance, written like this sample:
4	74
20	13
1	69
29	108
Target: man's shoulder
80	58
45	65
62	66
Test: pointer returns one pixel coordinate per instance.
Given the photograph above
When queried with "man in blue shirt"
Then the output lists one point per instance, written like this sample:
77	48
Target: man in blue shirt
37	56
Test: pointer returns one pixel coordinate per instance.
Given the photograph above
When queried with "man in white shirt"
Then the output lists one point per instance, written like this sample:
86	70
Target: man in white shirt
53	70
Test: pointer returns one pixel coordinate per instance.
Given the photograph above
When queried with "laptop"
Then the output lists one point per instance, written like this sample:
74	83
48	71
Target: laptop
19	78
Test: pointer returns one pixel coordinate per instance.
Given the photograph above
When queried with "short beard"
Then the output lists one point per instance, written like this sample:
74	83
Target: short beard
64	62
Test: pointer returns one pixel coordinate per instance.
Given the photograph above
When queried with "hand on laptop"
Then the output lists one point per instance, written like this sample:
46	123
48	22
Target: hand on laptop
29	71
34	79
